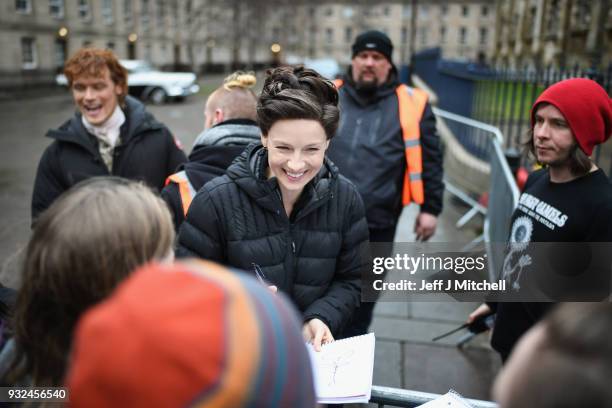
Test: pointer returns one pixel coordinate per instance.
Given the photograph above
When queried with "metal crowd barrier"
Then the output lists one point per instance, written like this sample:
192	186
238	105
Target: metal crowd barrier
503	199
503	191
396	397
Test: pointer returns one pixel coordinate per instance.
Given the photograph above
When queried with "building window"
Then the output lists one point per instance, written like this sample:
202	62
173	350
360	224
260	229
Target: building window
329	11
107	11
462	35
148	53
444	10
312	12
127	11
276	33
404	35
465	11
110	45
442	35
60	52
161	12
406	11
348	34
348	12
484	11
56	8
329	35
83	9
483	35
424	11
188	9
144	14
423	36
175	15
386	11
23	6
29	58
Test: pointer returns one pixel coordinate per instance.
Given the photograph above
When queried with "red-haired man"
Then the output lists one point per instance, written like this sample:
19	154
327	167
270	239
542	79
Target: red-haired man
110	134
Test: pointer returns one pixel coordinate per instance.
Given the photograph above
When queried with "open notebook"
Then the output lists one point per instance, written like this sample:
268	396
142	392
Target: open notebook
343	369
452	399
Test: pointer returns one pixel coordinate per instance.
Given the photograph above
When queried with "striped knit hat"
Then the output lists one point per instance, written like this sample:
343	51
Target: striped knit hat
191	334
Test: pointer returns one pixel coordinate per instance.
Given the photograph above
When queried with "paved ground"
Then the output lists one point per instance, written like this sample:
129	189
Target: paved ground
405	355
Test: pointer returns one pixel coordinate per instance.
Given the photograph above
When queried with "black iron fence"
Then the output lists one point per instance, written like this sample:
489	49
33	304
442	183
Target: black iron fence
504	97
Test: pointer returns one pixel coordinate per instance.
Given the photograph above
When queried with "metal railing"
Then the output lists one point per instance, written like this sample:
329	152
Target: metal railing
503	199
503	190
396	397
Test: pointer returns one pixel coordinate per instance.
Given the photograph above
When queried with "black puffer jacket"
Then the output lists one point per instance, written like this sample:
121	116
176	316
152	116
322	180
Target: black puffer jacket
147	152
316	256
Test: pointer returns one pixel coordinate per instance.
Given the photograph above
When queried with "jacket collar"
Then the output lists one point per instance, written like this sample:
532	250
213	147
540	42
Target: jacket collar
248	171
138	120
230	132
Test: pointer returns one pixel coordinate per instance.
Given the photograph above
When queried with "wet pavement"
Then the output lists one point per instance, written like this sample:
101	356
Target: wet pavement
405	355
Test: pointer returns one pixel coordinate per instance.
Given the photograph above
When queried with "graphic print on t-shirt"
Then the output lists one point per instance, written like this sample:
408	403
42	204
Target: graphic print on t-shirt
541	211
516	259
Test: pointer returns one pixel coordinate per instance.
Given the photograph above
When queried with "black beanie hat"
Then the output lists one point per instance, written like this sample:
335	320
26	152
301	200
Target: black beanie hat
373	40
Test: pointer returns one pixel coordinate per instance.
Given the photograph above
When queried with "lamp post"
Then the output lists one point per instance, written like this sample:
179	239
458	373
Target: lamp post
276	50
132	38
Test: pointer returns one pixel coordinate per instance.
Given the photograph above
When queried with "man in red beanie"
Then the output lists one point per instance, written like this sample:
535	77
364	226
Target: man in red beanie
568	201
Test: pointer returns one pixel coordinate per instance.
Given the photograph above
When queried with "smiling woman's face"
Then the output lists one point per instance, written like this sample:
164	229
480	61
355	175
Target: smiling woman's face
296	149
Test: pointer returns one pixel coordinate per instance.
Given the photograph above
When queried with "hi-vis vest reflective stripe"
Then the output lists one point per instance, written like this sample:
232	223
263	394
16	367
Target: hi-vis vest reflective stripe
411	103
185	189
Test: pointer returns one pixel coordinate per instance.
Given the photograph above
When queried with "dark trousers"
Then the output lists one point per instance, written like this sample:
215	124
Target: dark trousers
362	316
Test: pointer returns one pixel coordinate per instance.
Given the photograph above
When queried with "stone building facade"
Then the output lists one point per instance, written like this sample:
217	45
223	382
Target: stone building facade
36	36
538	33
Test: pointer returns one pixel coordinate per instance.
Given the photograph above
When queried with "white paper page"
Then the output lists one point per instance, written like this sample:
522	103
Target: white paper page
451	399
343	369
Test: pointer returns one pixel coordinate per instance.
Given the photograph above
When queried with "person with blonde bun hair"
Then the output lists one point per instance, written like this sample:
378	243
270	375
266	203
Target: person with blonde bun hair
229	126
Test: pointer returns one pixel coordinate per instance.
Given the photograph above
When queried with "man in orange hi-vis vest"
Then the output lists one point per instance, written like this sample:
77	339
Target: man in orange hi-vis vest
388	146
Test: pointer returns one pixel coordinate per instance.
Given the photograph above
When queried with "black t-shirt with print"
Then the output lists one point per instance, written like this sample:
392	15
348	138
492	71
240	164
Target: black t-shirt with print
578	211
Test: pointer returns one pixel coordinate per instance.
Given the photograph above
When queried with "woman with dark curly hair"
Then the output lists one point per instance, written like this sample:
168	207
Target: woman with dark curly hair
283	207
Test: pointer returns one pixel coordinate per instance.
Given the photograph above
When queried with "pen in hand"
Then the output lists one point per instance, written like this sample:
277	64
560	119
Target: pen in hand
262	278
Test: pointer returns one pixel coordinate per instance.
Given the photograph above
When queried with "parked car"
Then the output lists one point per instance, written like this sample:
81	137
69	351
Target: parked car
328	67
147	83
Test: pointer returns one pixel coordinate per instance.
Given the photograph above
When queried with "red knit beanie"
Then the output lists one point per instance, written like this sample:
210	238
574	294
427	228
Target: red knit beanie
586	106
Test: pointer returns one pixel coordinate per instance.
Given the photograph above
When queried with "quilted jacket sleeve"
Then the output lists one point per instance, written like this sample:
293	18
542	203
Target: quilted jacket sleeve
201	235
